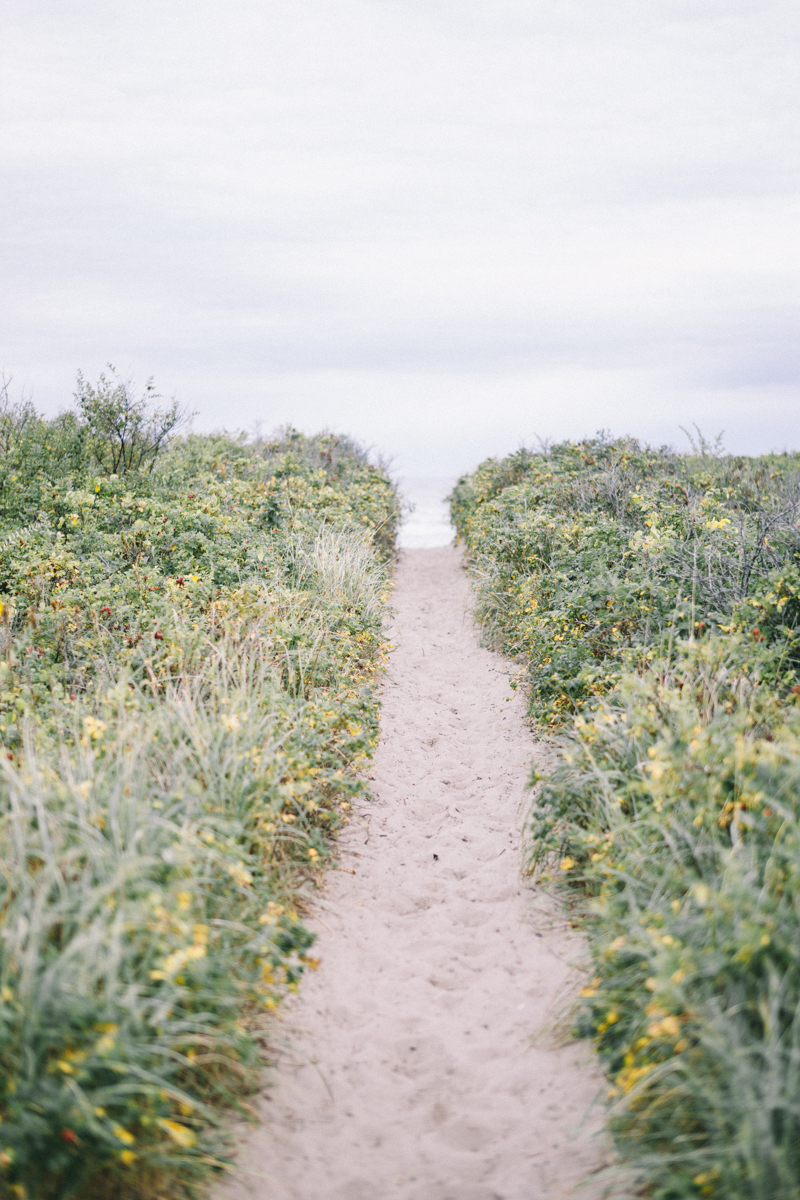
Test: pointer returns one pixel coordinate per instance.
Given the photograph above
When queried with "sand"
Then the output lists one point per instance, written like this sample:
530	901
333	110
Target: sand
419	1061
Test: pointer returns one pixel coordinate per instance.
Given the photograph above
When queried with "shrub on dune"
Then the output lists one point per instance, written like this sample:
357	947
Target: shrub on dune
186	699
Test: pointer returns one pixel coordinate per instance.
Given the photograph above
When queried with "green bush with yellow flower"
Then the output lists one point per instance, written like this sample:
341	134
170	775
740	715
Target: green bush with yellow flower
188	650
652	603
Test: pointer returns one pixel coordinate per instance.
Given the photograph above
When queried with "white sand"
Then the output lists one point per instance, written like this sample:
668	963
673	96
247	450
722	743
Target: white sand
411	1069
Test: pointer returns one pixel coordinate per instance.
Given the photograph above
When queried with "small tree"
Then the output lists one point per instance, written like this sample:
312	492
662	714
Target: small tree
17	419
126	433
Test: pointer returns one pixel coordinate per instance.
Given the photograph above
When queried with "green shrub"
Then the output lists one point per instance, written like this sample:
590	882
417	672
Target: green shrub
589	557
186	700
665	609
675	814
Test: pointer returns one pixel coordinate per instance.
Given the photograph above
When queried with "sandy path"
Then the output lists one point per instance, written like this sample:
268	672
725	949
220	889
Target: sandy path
411	1072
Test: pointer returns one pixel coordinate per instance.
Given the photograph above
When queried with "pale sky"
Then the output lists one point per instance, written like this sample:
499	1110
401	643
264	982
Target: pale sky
444	227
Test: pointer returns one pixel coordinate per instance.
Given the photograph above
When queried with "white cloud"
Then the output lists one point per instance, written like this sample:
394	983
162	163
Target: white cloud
442	227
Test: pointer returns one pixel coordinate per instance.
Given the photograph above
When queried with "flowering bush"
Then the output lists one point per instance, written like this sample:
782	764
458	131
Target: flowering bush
186	700
673	817
591	557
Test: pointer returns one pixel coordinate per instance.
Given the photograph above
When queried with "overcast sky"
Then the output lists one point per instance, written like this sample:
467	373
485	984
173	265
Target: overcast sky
445	226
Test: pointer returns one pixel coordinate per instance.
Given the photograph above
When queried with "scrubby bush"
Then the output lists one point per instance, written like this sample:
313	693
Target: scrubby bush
664	593
590	556
124	432
186	700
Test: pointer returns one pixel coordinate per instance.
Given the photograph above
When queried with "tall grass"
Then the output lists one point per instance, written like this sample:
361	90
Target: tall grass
185	703
671	822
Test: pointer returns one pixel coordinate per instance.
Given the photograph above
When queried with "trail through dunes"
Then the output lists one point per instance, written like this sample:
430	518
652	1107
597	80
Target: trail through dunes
411	1068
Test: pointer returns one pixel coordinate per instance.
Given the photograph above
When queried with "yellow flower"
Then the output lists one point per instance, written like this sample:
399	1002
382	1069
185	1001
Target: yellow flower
567	864
178	960
273	912
123	1135
611	1019
127	1157
670	1026
631	1075
180	1134
93	727
239	875
106	1043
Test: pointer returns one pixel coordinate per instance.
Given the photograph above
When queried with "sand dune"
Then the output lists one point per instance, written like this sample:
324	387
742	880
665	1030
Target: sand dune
411	1067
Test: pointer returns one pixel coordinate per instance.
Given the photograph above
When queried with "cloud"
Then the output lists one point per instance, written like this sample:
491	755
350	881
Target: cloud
354	212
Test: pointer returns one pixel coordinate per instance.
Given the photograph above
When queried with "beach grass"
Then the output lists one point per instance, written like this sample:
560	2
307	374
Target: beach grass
651	602
188	650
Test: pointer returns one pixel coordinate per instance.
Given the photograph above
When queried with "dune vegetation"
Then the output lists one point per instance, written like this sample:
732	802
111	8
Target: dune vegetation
651	602
189	632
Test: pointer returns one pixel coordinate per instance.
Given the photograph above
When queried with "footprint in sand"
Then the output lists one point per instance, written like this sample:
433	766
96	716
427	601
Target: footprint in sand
412	1071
